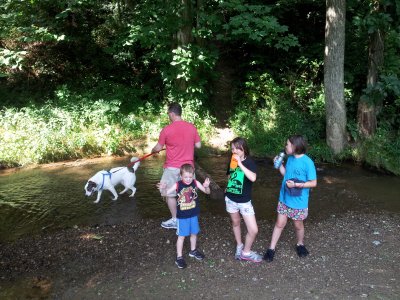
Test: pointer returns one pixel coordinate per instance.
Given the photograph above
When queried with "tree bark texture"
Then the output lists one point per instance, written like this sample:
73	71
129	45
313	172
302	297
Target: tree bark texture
184	35
216	192
367	111
335	107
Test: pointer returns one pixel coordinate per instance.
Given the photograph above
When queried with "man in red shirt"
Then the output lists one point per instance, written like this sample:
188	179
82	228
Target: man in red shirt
180	138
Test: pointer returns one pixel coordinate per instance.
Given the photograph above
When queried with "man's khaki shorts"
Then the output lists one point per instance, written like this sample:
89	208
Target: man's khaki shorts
170	176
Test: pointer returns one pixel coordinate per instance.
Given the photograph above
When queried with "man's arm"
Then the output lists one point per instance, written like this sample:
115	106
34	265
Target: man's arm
156	148
197	145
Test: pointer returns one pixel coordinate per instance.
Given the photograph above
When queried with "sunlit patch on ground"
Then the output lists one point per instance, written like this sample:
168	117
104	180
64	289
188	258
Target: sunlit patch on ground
91	236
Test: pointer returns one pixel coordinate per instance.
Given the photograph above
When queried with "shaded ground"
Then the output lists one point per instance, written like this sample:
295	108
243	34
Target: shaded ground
355	255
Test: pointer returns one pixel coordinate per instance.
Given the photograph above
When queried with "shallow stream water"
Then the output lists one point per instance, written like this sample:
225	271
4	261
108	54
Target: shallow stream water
52	197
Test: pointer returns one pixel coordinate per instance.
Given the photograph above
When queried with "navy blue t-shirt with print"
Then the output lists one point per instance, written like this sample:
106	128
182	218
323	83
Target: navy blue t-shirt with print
187	200
239	186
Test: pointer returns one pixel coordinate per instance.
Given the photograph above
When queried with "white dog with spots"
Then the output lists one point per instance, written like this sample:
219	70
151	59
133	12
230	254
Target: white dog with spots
108	180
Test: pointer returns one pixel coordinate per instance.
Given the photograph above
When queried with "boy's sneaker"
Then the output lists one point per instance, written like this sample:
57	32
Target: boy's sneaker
252	256
301	251
180	262
269	255
196	254
238	251
169	224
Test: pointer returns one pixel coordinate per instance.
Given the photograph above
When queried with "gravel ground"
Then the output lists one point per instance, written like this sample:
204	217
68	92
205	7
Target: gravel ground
353	256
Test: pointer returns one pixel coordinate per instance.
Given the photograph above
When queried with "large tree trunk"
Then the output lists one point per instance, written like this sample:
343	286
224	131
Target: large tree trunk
367	111
334	75
199	11
184	36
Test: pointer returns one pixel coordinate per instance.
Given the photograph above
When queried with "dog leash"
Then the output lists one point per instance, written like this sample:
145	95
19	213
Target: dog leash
143	157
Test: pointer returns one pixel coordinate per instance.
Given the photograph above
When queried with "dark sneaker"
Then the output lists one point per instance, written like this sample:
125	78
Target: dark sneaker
180	262
301	251
269	255
196	254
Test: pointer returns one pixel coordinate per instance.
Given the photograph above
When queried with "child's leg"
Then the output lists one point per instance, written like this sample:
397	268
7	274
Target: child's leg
299	227
252	230
276	234
235	217
193	241
179	245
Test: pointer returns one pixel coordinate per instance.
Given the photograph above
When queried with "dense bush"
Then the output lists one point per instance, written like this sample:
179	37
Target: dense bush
266	116
74	125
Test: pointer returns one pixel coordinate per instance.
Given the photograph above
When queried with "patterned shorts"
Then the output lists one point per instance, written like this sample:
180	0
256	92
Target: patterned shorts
292	213
246	209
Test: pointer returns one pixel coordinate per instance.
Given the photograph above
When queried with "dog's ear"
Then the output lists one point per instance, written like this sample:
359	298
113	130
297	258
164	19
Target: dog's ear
91	185
131	169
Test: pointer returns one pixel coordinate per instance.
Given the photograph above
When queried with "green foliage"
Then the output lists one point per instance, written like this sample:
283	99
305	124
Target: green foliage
110	67
305	87
267	117
235	20
71	126
11	59
41	34
382	151
187	81
74	125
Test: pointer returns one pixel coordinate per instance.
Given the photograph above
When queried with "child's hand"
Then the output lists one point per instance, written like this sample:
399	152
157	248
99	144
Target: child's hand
161	185
290	184
206	182
237	157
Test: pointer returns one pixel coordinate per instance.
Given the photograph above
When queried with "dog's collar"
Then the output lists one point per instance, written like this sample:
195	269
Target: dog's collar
104	175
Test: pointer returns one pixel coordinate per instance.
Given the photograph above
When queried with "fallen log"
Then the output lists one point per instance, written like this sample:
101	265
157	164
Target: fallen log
217	192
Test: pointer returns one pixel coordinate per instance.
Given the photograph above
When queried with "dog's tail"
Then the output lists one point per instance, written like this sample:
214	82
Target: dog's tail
136	164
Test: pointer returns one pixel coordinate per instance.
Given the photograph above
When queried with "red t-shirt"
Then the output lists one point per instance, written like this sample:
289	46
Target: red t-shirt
179	138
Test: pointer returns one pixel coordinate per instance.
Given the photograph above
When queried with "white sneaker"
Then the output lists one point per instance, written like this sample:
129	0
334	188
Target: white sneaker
238	252
169	224
252	256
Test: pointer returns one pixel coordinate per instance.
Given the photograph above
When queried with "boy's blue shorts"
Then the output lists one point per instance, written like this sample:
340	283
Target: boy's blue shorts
188	226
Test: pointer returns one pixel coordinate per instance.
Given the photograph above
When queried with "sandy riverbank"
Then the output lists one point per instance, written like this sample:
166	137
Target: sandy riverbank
354	256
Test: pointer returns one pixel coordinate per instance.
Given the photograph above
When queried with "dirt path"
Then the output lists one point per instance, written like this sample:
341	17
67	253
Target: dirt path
352	256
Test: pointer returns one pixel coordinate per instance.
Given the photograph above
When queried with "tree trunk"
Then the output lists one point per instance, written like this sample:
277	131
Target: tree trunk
367	111
334	75
184	36
199	11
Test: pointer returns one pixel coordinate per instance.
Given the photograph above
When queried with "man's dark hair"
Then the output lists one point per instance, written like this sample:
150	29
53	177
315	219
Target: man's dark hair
175	108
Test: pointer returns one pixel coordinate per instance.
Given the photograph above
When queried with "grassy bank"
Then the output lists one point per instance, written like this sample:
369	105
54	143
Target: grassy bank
84	124
111	119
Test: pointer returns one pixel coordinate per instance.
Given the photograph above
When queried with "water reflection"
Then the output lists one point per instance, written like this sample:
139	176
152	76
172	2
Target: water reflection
51	198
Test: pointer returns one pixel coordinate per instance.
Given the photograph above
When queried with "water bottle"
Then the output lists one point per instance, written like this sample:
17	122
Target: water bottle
278	161
233	164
